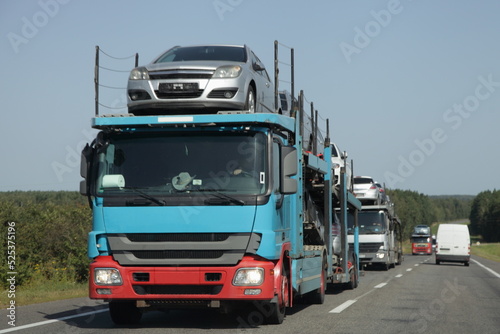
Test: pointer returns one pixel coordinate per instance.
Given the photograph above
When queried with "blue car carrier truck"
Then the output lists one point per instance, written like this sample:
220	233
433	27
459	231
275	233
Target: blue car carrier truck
225	210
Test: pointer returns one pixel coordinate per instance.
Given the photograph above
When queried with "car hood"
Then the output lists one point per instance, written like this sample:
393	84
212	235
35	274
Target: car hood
190	65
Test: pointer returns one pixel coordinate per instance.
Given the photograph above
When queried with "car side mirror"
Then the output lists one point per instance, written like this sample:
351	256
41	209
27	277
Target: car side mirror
258	67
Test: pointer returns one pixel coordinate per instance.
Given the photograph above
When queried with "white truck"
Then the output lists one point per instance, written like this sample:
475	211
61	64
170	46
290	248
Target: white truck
380	237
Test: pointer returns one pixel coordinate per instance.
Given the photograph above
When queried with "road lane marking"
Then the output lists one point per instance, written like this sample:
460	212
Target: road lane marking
488	269
41	323
399	275
381	285
409	269
343	306
416	264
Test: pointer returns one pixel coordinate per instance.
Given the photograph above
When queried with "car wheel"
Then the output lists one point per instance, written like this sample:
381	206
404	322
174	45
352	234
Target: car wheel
251	101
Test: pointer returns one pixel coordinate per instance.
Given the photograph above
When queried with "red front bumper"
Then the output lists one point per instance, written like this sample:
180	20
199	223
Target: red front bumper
182	283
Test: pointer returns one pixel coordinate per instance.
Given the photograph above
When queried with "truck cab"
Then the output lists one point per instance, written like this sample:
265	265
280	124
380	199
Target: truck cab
380	240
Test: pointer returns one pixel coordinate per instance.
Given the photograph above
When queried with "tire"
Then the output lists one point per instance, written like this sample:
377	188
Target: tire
466	264
278	310
124	313
438	262
353	277
251	100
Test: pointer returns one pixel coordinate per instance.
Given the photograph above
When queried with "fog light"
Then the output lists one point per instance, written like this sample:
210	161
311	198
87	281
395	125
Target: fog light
104	291
228	94
252	292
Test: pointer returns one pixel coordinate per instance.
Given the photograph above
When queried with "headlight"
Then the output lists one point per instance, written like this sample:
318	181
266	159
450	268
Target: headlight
249	276
227	72
139	73
107	276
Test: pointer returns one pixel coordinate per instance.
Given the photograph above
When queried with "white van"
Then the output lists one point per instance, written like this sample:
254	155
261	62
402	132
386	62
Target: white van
453	244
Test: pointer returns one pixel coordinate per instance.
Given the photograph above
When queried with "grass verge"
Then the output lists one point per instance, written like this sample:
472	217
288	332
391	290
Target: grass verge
45	291
488	251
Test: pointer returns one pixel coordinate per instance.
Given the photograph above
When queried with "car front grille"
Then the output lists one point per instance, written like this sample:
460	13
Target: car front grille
178	95
184	74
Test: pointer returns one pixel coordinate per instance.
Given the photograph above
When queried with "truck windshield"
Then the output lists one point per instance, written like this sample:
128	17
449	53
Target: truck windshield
168	165
369	223
420	239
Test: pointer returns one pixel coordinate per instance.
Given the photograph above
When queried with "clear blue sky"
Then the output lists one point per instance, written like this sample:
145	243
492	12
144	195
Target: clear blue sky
411	88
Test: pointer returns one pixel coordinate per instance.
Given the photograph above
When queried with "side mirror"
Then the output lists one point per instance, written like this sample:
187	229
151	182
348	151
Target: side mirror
288	169
258	67
84	169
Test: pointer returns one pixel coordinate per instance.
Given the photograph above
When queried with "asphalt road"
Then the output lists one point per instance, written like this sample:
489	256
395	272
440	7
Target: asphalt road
415	297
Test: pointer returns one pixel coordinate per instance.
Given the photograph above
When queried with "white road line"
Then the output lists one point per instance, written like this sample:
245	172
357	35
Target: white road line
416	264
343	306
488	269
399	275
41	323
409	269
381	285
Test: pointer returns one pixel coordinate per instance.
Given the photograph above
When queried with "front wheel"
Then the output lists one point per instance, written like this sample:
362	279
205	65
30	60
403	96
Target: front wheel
278	310
251	101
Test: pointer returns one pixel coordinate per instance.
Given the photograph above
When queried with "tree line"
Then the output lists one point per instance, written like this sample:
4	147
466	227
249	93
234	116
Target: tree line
485	215
414	208
50	228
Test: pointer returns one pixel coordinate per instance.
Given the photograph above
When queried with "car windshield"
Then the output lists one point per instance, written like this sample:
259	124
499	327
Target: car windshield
368	222
196	53
177	164
362	180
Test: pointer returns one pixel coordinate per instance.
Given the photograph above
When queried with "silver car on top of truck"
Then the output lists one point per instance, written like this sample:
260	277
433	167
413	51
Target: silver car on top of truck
201	79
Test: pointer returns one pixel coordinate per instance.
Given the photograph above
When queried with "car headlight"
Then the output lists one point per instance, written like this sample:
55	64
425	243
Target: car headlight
227	72
107	276
139	73
249	276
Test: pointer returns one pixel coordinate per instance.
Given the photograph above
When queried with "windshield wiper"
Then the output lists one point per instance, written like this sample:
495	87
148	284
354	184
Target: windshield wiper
146	196
222	196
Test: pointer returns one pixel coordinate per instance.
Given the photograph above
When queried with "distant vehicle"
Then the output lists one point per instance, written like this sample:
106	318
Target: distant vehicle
201	79
421	244
339	160
366	190
383	195
380	237
453	244
421	240
422	230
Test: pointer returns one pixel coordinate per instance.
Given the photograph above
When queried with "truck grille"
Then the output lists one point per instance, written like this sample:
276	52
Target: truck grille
182	249
369	247
177	289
